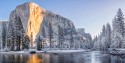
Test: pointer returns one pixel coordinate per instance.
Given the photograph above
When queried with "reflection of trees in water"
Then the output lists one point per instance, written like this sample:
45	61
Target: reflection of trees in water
66	58
62	58
20	58
46	58
13	58
70	58
117	59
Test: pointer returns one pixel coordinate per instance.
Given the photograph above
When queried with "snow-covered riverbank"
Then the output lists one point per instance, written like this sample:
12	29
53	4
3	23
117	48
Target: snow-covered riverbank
48	51
14	52
117	51
65	51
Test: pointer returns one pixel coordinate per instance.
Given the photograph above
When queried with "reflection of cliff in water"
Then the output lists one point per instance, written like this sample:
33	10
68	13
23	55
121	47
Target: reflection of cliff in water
34	59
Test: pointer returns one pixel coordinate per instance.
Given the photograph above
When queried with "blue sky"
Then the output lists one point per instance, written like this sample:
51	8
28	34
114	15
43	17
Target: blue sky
88	14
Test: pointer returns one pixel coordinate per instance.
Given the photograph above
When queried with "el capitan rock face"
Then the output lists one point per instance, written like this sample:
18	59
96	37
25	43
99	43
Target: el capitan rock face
31	16
36	15
29	24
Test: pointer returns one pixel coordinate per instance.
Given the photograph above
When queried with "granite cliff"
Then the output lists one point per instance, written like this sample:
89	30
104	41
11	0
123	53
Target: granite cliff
31	25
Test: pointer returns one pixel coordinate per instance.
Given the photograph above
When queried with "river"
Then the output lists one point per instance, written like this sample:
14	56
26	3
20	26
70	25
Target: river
81	57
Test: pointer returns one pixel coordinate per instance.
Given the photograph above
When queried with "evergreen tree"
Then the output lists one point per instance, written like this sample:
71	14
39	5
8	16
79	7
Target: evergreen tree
103	38
60	36
71	39
50	35
4	34
103	31
39	43
108	35
118	23
43	32
10	36
118	30
19	33
26	43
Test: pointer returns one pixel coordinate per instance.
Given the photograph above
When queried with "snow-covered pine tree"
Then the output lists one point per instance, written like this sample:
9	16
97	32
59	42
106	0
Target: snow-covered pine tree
19	33
50	35
118	30
103	31
43	32
97	44
71	39
100	42
108	35
118	23
103	38
26	43
4	34
39	43
60	37
10	36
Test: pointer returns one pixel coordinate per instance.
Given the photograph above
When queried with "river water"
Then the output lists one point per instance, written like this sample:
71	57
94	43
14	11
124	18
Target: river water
82	57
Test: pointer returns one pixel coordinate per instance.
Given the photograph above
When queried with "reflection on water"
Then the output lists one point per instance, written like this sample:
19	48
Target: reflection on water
84	57
94	59
34	59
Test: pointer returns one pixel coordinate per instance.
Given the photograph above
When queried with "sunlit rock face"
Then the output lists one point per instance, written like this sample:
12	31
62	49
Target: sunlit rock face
36	15
31	16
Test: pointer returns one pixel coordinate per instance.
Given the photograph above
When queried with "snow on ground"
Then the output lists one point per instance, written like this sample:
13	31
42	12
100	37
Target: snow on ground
14	52
48	51
64	51
117	51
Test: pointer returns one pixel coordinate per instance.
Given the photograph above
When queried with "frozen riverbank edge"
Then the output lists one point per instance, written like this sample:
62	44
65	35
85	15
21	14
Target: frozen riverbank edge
117	51
49	51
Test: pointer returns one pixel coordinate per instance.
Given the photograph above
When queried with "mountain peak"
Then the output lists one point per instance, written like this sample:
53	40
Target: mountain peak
31	3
